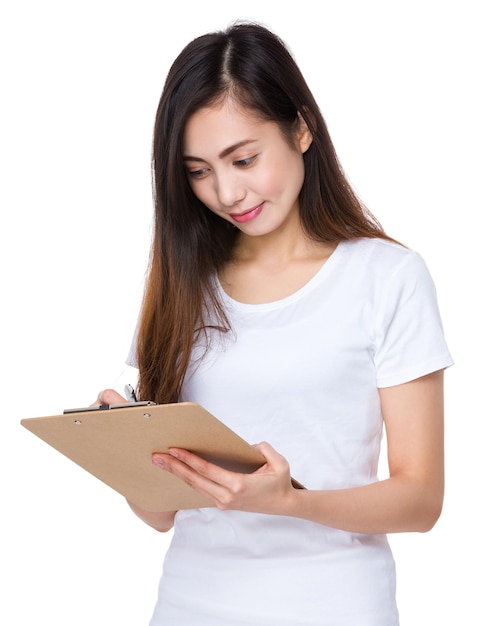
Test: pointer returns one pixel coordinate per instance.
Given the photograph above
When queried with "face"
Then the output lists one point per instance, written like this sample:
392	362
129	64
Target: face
243	169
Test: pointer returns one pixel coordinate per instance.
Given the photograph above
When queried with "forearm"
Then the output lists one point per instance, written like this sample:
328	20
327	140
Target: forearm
162	521
409	500
394	505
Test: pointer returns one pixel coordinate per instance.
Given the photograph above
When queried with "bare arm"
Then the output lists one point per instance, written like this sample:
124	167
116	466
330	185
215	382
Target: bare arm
409	500
162	522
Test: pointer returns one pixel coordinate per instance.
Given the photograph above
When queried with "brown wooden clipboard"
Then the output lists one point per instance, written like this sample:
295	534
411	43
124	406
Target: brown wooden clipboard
116	446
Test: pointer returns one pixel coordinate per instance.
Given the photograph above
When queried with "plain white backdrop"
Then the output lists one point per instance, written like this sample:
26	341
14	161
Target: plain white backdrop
398	84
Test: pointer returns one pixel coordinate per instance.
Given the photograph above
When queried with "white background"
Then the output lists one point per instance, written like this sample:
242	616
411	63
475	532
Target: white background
398	83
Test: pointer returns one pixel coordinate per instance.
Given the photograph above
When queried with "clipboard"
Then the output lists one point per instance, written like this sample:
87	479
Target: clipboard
115	443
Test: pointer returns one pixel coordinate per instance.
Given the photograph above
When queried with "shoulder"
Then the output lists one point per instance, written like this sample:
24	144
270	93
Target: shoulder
382	257
376	249
385	269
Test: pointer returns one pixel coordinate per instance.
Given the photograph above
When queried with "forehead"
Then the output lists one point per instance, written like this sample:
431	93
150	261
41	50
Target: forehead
217	126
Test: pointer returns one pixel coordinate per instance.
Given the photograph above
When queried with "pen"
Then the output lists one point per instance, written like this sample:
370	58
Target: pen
130	393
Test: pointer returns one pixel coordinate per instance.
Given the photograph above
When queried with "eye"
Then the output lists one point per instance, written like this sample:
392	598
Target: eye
201	173
242	163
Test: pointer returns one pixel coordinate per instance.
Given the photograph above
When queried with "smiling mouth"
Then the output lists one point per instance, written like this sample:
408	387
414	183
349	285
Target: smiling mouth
248	215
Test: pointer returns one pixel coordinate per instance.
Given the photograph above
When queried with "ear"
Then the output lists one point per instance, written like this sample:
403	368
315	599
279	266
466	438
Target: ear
304	135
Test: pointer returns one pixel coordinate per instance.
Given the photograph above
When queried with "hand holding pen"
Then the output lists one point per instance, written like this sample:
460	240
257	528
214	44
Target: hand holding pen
112	397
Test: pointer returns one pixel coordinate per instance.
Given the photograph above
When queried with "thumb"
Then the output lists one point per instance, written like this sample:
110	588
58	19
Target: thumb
276	462
272	456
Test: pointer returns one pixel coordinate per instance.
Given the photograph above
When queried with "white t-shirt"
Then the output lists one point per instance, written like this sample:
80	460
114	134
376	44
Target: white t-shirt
303	374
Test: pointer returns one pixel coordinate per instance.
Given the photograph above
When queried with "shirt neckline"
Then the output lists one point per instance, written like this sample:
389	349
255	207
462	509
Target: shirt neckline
321	275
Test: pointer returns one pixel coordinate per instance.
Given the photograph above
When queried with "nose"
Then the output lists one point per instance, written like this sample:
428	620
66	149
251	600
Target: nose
230	190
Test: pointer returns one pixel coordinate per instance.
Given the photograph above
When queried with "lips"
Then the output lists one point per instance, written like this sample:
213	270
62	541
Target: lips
248	215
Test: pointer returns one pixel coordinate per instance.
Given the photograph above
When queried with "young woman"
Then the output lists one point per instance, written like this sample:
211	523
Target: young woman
276	300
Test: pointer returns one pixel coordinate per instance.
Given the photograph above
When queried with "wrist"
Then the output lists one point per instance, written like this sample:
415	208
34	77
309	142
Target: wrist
292	505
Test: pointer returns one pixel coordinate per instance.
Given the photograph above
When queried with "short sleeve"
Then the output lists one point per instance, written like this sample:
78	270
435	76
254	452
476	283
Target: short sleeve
131	359
409	333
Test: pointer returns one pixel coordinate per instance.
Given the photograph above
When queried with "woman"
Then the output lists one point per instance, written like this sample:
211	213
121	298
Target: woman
276	300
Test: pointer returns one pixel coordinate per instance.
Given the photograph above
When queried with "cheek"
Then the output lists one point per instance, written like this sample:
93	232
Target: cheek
285	177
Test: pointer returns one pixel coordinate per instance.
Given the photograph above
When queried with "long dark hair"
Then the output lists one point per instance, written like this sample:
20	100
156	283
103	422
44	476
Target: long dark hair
190	243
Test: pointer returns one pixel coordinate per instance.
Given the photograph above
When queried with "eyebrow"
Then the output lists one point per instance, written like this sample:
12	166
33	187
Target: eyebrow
225	152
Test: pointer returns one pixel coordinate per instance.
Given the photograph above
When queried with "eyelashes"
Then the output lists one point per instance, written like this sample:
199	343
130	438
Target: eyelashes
196	174
243	163
240	163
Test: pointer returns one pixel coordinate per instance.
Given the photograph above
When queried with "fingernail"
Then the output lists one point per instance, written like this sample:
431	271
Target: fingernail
157	461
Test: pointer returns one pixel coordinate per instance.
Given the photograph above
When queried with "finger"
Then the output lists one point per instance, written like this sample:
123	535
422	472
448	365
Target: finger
275	462
200	483
109	396
271	455
206	478
213	472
